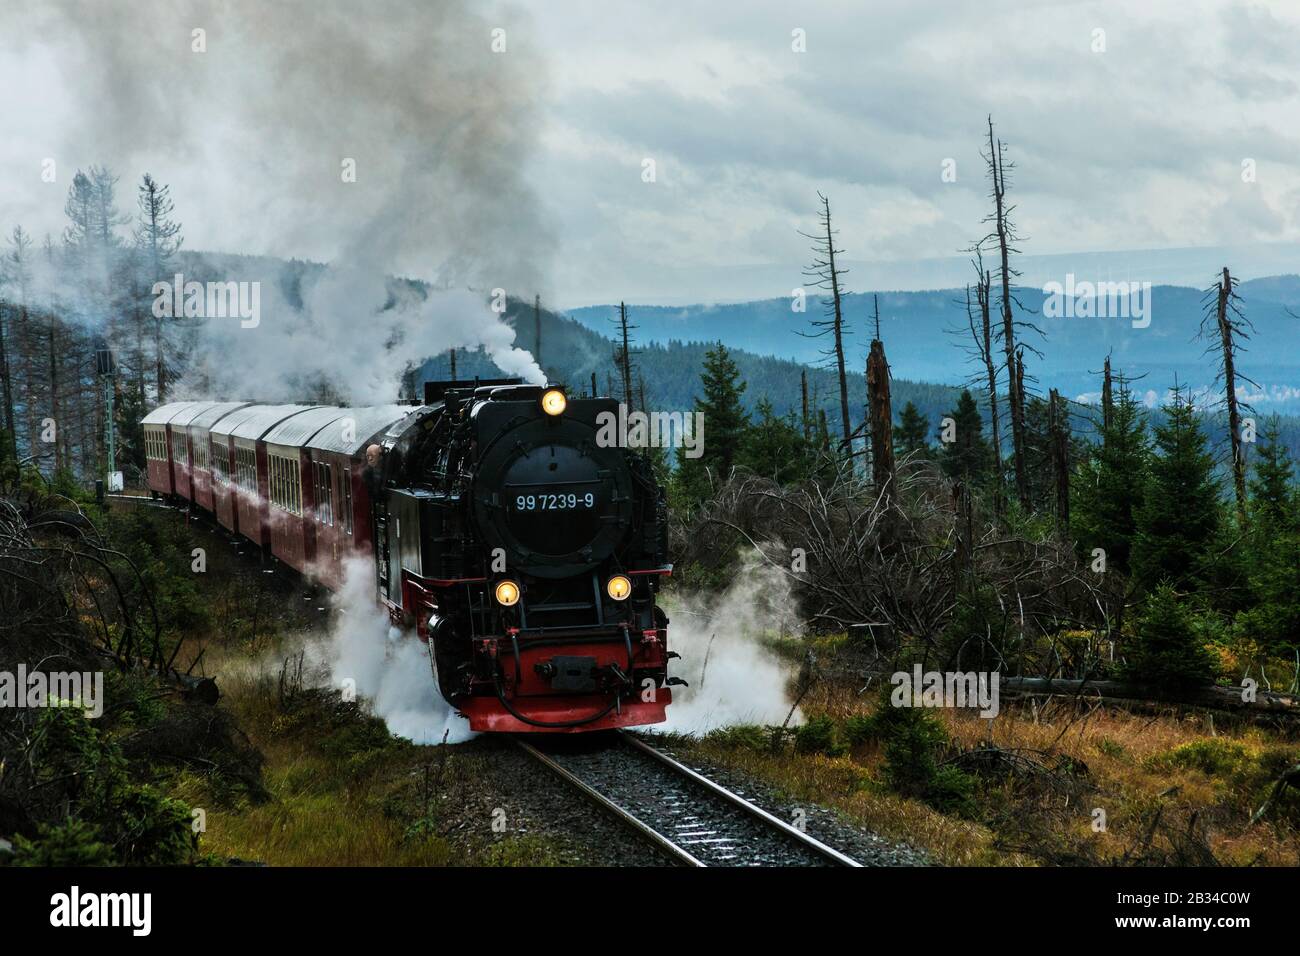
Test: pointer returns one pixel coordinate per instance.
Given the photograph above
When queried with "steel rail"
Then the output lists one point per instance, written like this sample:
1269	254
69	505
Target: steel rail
668	846
756	811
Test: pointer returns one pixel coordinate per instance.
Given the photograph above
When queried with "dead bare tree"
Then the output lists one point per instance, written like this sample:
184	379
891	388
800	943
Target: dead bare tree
537	330
1005	234
979	327
803	393
827	276
623	355
1107	398
1226	326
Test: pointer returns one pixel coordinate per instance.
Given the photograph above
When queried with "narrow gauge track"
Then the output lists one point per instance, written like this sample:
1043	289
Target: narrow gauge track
689	817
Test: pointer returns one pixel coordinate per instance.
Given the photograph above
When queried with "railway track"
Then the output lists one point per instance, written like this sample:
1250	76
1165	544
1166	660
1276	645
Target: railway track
693	820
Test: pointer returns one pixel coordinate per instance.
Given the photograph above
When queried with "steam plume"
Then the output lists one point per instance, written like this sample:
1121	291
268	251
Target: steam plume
257	130
733	678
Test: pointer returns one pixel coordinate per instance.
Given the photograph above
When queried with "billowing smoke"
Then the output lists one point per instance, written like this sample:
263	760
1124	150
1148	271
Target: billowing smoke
386	666
733	677
387	139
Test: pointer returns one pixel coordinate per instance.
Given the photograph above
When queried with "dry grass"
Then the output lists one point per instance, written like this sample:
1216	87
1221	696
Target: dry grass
1173	786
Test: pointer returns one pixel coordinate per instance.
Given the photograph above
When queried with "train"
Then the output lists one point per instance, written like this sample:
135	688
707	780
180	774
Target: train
524	551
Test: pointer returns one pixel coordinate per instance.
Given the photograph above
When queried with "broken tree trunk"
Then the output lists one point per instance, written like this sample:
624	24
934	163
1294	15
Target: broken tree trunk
1060	444
1107	398
882	420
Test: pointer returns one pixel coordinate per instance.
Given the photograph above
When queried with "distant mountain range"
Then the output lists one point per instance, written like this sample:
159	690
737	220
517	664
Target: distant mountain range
690	283
924	333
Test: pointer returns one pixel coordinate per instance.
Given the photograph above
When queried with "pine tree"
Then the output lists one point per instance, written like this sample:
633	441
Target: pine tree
912	431
725	422
1271	492
1111	483
1271	616
775	447
968	455
157	239
1179	515
1167	653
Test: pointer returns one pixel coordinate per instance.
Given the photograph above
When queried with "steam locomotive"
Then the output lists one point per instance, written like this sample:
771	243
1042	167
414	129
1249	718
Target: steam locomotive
525	553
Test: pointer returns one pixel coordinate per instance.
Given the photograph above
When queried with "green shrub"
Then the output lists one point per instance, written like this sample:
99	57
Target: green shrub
71	843
951	791
1111	748
154	830
742	737
858	729
1215	757
819	735
135	823
1168	652
914	739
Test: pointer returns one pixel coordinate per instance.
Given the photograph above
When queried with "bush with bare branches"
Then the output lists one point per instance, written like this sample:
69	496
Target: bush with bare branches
931	575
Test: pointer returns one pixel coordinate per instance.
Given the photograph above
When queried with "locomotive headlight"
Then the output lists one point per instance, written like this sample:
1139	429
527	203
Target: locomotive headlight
507	593
554	402
619	587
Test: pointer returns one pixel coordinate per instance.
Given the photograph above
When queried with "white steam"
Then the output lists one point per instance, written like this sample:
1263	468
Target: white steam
390	667
342	342
733	677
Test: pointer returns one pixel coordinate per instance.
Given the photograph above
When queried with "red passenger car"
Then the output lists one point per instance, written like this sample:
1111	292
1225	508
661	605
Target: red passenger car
342	502
296	503
158	446
252	475
204	459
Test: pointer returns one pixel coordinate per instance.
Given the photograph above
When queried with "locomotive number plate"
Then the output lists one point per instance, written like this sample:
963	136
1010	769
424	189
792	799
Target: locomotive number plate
556	502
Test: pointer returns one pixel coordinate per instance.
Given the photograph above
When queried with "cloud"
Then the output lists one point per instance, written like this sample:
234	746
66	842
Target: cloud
1138	146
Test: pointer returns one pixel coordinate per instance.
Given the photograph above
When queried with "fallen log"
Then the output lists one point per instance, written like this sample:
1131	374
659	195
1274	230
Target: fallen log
1210	696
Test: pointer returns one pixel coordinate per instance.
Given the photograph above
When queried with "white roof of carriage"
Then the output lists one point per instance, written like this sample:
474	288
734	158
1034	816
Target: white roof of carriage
299	429
164	414
262	418
213	414
365	423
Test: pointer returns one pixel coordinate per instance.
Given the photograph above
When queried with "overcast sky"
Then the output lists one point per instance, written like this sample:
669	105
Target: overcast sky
1137	146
